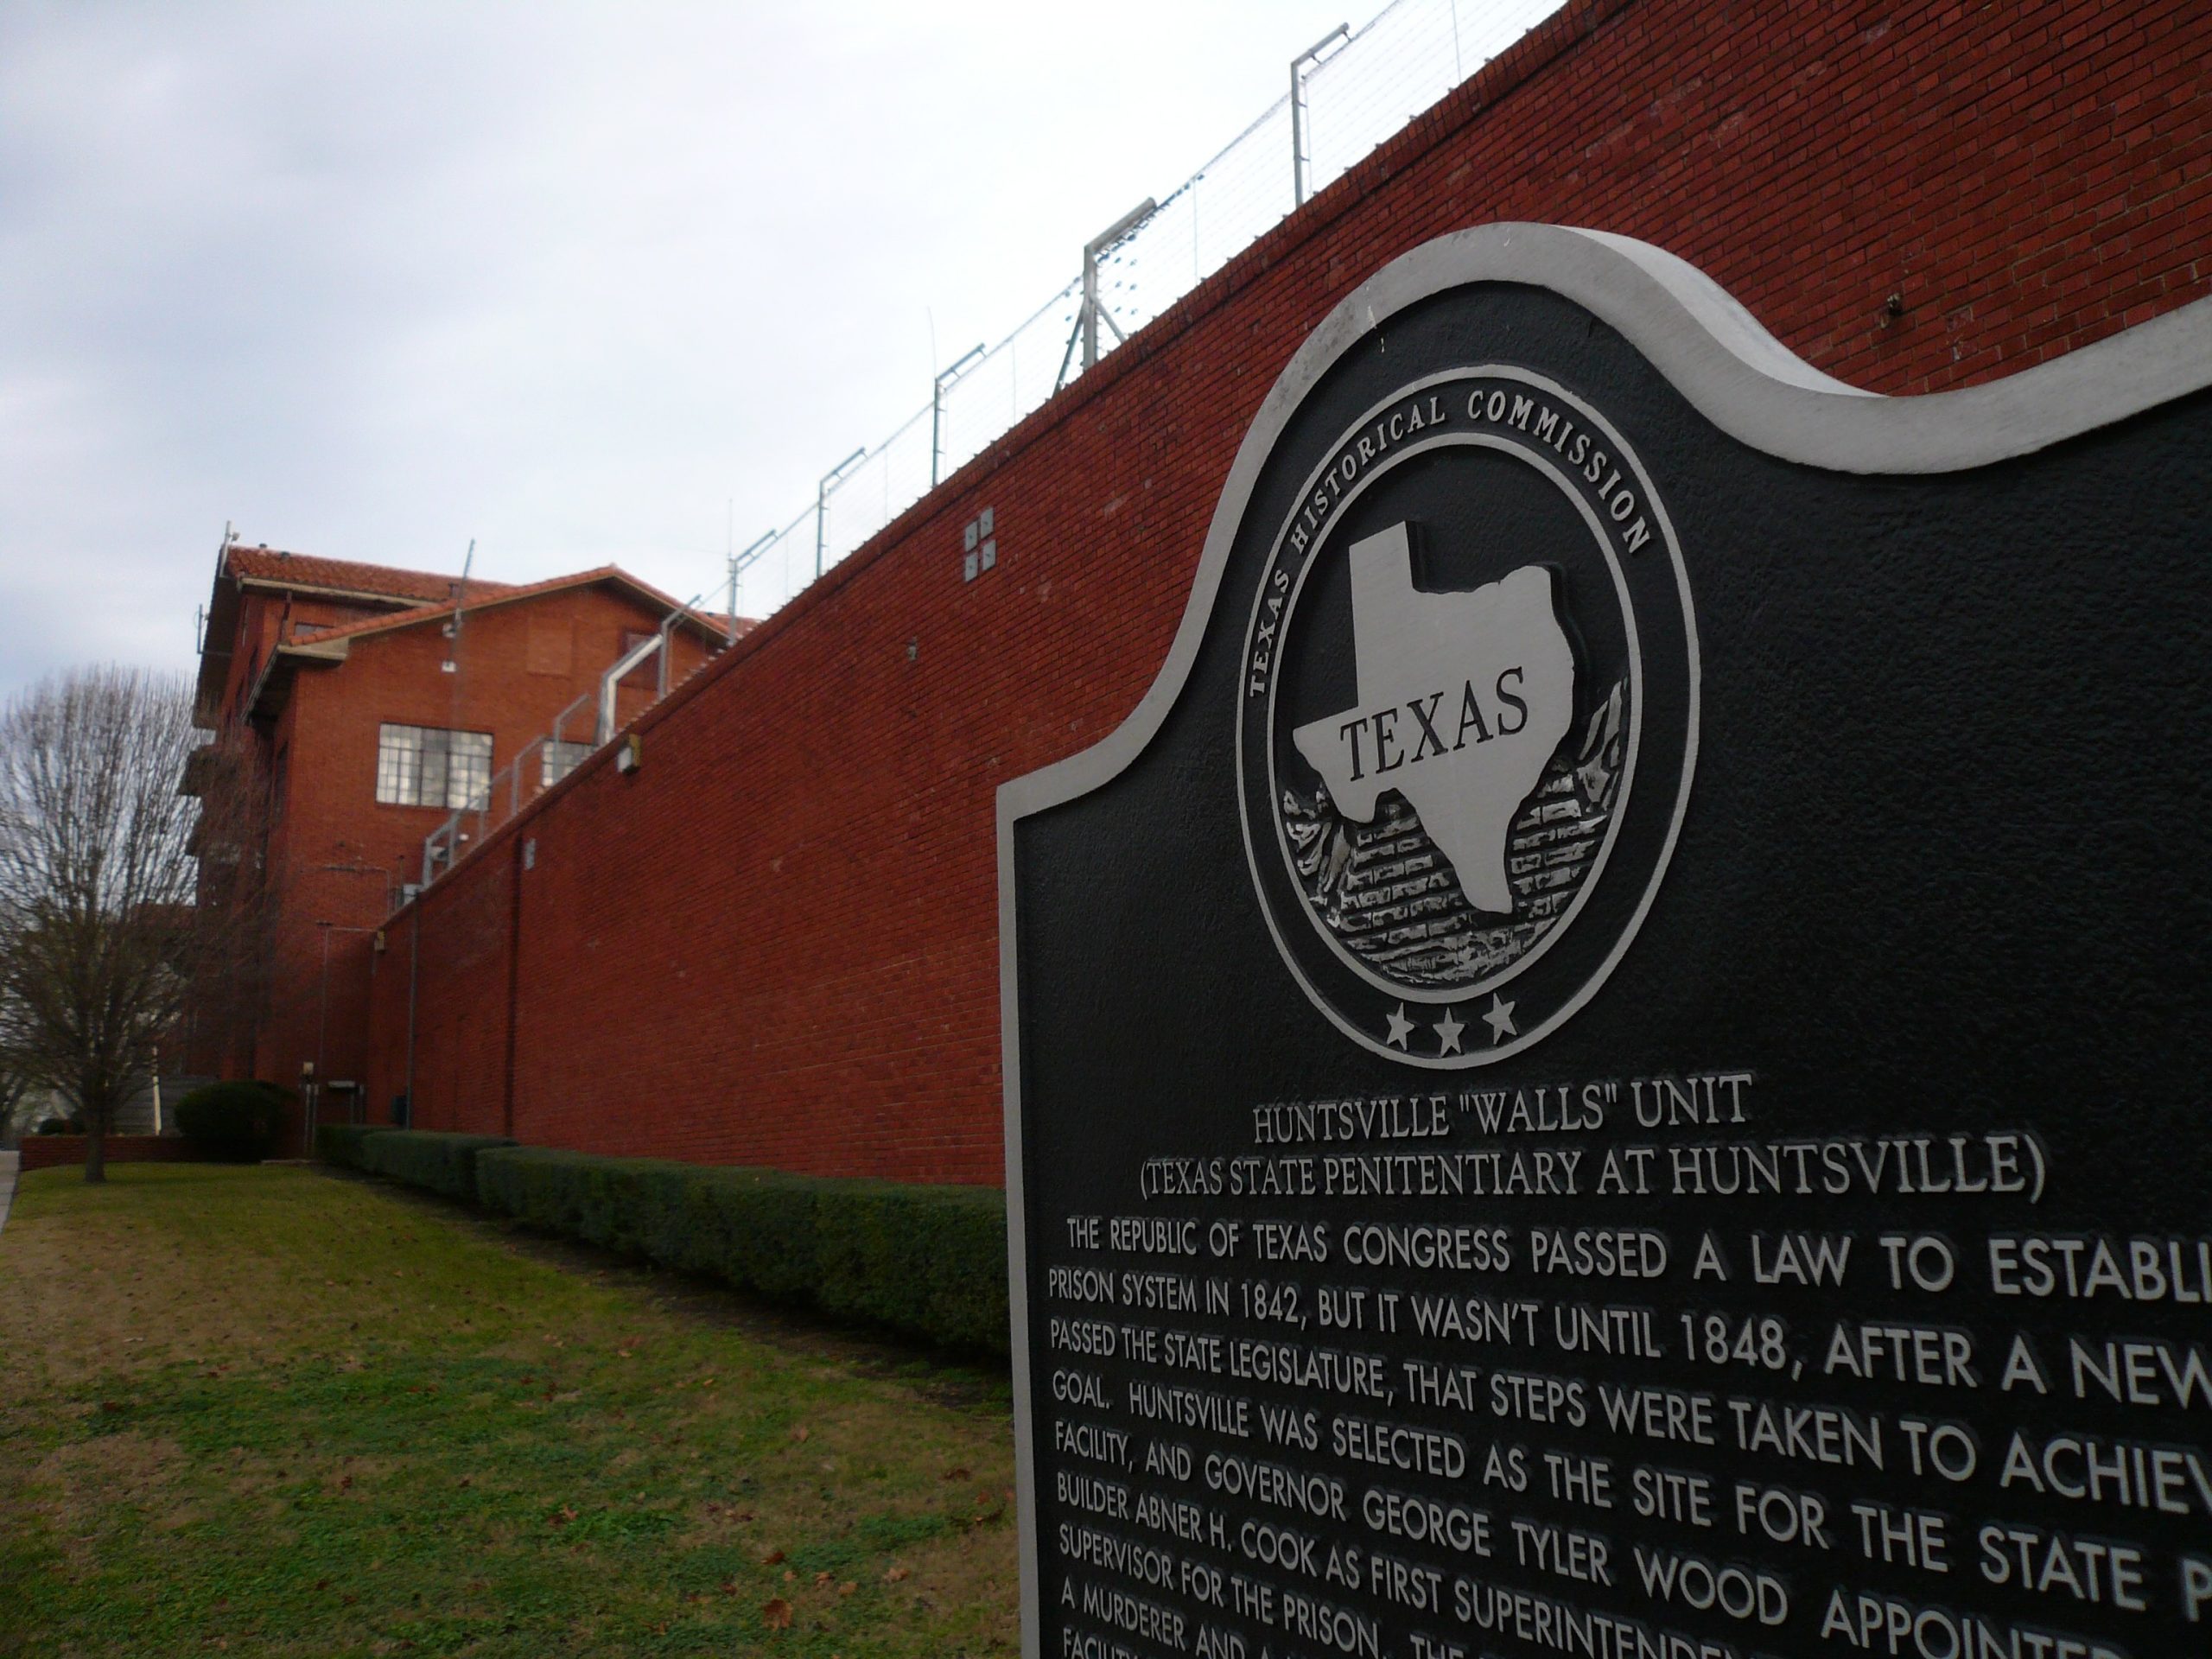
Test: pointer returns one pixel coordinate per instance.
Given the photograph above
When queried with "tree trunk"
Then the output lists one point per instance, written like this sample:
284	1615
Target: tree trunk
95	1142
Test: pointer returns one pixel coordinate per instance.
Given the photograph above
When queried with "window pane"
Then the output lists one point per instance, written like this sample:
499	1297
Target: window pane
425	765
468	768
399	765
432	792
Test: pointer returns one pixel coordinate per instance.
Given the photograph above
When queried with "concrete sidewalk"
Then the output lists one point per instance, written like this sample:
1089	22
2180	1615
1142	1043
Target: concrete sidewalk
8	1161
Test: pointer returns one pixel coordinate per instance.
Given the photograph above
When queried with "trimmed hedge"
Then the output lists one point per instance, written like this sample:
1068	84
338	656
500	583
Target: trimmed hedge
444	1164
928	1261
340	1143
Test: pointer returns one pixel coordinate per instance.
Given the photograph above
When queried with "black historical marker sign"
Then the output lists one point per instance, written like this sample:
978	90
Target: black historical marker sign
1614	1064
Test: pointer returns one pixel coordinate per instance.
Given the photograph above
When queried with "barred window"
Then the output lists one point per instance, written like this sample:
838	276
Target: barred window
561	759
423	765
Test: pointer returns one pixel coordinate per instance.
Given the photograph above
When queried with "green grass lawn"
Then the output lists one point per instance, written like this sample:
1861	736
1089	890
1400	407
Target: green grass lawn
267	1411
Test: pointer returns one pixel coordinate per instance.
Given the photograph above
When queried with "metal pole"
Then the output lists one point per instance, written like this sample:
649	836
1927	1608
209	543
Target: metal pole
414	966
1299	159
739	564
830	481
1090	308
936	411
610	681
689	608
461	605
1087	318
322	1035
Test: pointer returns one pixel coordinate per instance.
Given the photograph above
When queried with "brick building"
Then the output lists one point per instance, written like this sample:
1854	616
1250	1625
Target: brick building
774	938
354	707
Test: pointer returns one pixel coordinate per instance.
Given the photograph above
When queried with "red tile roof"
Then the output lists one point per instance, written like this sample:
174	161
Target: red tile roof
490	592
304	571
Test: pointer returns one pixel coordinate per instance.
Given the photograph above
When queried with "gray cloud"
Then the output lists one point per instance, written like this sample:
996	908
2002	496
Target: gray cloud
371	281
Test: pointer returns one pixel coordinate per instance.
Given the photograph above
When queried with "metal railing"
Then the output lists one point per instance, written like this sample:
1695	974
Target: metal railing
1346	94
590	717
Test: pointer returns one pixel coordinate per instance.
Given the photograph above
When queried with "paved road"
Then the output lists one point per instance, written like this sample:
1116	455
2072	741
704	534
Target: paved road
8	1162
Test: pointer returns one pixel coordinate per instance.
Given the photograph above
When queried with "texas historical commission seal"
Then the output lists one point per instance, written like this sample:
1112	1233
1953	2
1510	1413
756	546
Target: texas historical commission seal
1468	717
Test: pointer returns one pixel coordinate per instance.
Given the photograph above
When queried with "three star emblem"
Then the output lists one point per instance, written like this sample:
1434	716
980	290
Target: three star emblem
1499	1019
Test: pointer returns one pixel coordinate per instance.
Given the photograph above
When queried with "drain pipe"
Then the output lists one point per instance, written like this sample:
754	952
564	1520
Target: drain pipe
414	963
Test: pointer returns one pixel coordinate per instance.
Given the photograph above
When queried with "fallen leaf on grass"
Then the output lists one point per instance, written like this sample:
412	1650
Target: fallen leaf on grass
897	1573
562	1518
822	1578
802	1433
847	1588
777	1614
772	1558
954	1474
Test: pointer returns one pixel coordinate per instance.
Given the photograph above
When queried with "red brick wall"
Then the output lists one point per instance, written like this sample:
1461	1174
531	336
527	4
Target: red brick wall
776	942
342	856
48	1151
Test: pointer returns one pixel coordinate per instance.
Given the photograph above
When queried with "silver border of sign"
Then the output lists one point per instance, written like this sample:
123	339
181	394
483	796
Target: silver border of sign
1732	371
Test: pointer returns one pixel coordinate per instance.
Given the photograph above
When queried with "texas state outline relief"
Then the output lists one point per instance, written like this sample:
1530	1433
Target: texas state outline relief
1463	697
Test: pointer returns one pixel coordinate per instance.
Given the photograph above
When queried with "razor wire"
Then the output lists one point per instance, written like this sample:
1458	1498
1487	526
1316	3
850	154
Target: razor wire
1357	95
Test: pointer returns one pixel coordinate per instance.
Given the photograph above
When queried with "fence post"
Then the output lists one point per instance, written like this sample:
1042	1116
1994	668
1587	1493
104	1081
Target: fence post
937	409
829	481
1300	161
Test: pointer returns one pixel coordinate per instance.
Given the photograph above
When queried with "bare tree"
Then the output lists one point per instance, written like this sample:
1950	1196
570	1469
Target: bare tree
96	883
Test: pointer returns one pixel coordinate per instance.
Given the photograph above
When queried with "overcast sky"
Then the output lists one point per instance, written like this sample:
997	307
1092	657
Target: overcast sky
369	280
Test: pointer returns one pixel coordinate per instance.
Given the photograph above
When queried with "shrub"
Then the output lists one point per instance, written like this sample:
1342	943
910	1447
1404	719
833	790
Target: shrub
340	1143
928	1261
61	1125
755	1229
438	1163
234	1122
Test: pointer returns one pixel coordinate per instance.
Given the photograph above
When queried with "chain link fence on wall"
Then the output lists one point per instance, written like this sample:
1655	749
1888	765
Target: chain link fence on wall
1358	89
